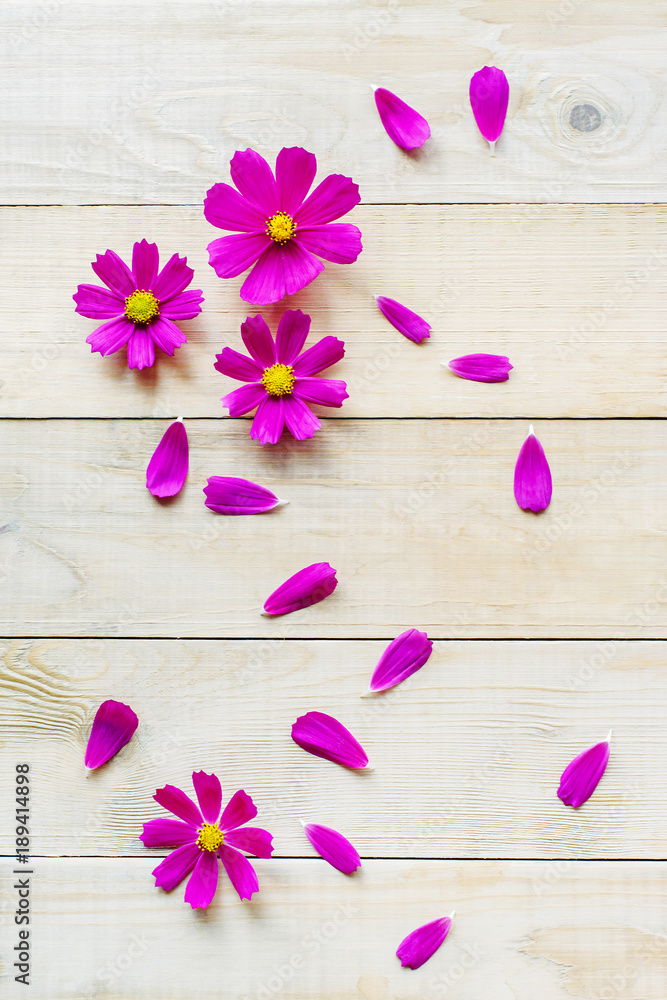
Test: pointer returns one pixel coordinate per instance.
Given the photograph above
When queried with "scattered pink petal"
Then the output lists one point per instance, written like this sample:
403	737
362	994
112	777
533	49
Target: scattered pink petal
532	476
423	942
489	96
482	367
228	495
404	126
406	654
309	586
114	725
333	847
324	736
403	319
168	468
580	778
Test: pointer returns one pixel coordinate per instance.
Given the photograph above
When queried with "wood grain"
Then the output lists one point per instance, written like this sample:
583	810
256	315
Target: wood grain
570	293
146	102
476	739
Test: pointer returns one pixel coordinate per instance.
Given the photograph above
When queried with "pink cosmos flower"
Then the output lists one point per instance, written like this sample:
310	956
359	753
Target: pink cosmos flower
280	230
203	837
582	775
114	725
310	585
489	96
333	847
141	305
406	654
168	468
403	319
229	495
280	378
423	942
482	367
532	476
404	126
326	737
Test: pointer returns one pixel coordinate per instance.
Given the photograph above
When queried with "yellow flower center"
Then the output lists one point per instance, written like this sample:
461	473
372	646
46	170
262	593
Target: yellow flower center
210	837
280	227
141	307
278	380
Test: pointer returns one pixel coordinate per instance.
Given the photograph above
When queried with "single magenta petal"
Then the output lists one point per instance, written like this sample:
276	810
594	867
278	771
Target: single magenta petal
251	839
295	173
580	778
240	809
269	421
242	400
203	882
166	335
111	336
482	367
241	873
405	320
114	725
423	942
145	262
404	126
209	795
167	833
309	586
406	654
178	803
326	737
168	468
140	349
333	847
489	96
229	495
176	866
300	421
532	476
98	303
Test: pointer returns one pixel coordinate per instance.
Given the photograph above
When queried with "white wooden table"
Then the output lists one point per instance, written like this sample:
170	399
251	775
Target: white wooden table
549	630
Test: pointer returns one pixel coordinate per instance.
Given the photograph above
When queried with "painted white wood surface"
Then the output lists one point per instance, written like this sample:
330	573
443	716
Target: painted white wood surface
468	753
572	294
522	930
145	102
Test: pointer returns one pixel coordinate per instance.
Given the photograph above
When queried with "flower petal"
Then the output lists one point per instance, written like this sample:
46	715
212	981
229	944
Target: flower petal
423	942
114	272
203	882
167	833
244	399
404	126
166	335
241	873
238	366
140	349
254	179
295	172
324	736
230	256
336	195
98	303
184	305
281	270
145	262
405	320
338	242
482	367
168	468
176	866
229	495
251	839
209	795
580	778
257	338
111	336
178	803
532	476
300	421
114	725
489	97
324	391
269	421
406	654
333	847
291	335
225	208
239	810
323	354
309	586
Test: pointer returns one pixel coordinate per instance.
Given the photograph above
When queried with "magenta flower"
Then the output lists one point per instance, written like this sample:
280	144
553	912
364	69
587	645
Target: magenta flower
168	468
333	847
228	495
489	96
203	837
423	942
114	725
403	319
581	777
532	476
309	586
404	126
482	367
406	654
326	737
280	378
280	230
141	305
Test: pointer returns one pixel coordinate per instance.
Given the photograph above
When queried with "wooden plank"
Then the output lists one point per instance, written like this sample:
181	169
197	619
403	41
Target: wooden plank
418	518
147	102
569	293
521	931
477	738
